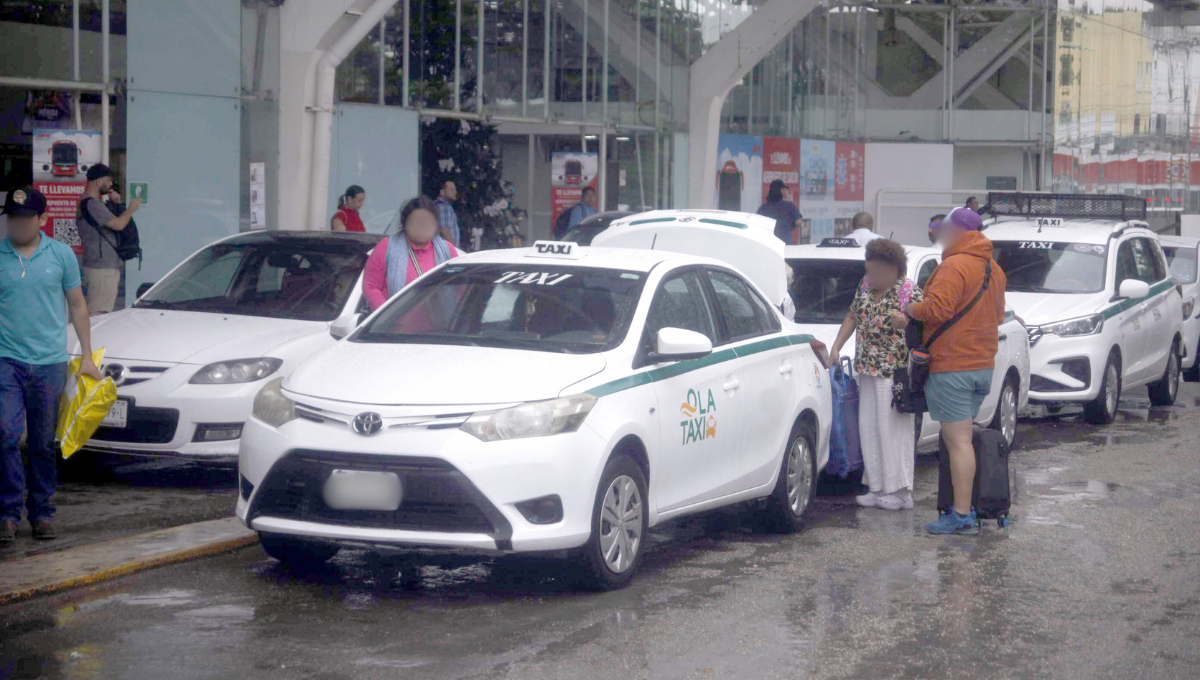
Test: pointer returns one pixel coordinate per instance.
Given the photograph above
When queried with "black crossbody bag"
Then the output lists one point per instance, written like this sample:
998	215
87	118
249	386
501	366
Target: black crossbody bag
908	382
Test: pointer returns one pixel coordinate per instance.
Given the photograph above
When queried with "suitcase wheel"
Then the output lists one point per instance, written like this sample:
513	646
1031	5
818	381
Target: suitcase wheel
1003	522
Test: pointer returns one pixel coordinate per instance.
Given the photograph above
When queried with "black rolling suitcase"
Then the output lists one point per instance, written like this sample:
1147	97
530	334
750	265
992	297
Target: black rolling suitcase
991	497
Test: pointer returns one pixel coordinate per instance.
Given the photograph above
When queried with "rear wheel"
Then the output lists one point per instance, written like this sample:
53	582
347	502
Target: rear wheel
1165	389
297	552
1103	409
1193	373
796	488
620	520
1005	420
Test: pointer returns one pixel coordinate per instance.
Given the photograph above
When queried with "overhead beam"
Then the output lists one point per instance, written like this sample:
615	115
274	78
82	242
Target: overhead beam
988	94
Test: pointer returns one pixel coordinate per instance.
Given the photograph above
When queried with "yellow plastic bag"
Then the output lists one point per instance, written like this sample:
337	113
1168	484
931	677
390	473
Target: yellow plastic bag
84	403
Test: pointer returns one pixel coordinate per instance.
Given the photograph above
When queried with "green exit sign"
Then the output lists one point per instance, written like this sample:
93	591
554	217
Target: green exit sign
139	190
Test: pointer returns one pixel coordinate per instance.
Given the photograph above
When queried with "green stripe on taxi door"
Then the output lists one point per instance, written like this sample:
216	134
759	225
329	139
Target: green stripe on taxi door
1157	289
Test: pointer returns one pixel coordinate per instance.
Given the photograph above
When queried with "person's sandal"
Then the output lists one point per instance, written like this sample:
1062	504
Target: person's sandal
44	530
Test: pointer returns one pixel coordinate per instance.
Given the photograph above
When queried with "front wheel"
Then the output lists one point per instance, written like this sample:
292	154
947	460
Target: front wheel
619	523
297	552
1005	420
1103	409
1165	389
796	488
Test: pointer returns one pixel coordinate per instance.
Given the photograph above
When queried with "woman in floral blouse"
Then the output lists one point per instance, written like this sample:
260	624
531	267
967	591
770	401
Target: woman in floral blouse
887	435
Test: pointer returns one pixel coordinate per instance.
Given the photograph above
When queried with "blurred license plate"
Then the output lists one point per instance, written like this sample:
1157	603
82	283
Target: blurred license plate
118	415
362	490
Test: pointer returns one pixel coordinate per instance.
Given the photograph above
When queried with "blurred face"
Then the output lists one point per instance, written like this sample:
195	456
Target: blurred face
23	231
450	192
357	202
881	275
105	184
589	197
949	234
421	227
973	204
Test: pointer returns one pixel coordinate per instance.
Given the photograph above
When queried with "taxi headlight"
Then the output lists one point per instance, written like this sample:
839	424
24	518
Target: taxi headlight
1084	325
533	419
271	407
236	372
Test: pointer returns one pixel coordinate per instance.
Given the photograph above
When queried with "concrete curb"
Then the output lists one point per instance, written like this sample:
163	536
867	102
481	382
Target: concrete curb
91	564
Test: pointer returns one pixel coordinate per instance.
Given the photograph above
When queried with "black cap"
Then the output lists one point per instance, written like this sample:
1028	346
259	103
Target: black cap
778	184
98	171
25	202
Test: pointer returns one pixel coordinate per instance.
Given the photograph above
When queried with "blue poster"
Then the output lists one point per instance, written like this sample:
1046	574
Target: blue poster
822	228
739	173
817	158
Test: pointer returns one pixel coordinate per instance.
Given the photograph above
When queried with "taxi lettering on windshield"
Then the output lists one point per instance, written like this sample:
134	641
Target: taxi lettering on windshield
699	423
533	278
1036	245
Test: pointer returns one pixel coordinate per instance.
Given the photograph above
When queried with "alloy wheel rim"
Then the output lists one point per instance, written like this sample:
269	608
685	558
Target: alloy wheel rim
621	524
1008	414
1173	375
799	476
1110	388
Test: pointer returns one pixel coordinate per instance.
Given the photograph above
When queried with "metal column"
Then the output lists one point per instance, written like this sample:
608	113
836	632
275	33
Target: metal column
407	47
604	78
527	232
479	56
75	61
602	190
1041	178
105	77
525	59
382	60
457	55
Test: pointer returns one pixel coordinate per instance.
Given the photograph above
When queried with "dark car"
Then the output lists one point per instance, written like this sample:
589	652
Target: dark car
585	231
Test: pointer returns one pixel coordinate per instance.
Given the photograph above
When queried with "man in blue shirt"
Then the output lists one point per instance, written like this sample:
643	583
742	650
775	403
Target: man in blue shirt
583	209
447	219
39	279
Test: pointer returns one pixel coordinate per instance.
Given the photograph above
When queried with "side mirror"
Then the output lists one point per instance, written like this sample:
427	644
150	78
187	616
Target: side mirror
344	326
1132	289
142	289
678	344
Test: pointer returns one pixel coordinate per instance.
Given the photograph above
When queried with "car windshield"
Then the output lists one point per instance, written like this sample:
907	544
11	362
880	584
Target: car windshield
1183	263
535	306
582	235
284	280
1051	267
823	289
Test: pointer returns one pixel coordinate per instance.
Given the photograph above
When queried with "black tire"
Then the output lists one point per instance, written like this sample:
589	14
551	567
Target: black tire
614	552
1010	397
797	485
297	552
1193	373
1103	409
1164	390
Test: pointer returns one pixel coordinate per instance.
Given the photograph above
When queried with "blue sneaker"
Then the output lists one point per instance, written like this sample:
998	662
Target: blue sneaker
954	523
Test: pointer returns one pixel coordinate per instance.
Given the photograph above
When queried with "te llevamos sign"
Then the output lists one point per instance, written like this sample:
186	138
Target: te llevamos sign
699	423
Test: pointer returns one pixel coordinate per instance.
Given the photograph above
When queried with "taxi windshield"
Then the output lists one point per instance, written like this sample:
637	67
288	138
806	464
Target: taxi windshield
823	289
1183	263
1051	267
536	306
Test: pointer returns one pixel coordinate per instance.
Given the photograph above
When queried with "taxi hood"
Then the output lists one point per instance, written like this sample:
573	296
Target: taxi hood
429	375
744	241
1041	308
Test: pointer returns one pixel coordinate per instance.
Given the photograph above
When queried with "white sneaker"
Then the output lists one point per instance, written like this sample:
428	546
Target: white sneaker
868	500
901	500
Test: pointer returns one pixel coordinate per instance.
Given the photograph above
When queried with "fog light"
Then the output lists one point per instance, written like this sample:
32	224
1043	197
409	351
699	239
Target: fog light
1079	369
218	432
247	488
544	510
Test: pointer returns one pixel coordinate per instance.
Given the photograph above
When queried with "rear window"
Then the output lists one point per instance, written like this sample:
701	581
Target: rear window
1182	262
822	290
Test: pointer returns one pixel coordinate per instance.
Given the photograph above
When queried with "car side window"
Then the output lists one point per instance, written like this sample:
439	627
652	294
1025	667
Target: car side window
680	303
925	272
1143	260
1159	260
1126	269
739	306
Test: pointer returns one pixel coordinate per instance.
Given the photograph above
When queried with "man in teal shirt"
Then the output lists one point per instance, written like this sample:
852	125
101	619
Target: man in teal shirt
39	279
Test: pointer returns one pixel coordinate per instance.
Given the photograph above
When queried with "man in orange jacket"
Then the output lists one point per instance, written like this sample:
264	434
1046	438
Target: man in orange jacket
962	359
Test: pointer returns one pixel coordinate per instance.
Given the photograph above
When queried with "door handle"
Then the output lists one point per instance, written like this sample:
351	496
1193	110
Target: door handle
785	367
731	384
1003	337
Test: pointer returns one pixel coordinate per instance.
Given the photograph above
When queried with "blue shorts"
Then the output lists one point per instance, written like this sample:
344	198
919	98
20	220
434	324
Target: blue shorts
956	396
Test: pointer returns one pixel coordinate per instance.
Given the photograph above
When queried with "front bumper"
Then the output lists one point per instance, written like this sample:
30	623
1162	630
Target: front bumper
1067	369
459	493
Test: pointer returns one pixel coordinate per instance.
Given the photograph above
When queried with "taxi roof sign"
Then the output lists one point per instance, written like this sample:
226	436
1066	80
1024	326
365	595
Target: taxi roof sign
1048	222
565	250
839	242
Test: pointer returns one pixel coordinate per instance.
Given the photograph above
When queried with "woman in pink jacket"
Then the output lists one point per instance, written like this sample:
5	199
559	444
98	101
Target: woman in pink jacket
413	248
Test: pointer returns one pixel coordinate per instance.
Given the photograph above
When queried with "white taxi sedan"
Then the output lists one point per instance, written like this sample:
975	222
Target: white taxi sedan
1183	259
825	277
538	399
190	355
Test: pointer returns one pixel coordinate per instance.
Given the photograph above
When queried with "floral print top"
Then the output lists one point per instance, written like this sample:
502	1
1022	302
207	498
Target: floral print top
879	348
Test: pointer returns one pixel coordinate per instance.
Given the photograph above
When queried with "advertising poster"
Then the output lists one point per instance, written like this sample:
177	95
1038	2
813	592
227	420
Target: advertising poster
47	109
781	161
739	173
61	159
570	173
817	160
820	228
850	176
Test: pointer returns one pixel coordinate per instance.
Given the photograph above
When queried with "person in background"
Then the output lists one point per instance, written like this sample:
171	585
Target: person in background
864	229
972	204
349	203
39	282
447	218
584	209
887	435
961	362
413	246
785	213
96	224
934	223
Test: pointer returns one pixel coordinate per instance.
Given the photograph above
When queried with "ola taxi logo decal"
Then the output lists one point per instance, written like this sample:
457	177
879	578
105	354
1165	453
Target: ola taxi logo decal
19	197
699	423
817	375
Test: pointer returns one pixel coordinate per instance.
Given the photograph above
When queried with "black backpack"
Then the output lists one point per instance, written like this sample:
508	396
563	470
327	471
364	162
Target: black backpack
127	244
564	221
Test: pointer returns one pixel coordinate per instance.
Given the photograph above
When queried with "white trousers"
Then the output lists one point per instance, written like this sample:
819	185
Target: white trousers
887	437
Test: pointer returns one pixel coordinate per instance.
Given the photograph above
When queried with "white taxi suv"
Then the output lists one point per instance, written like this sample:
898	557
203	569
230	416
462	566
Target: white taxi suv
1183	259
190	355
825	277
556	397
1091	282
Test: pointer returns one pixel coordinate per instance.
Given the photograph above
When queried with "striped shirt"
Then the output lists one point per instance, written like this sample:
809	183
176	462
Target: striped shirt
447	219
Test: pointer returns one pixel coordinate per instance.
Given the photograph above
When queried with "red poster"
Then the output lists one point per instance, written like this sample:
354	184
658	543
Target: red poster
850	171
570	174
781	160
62	199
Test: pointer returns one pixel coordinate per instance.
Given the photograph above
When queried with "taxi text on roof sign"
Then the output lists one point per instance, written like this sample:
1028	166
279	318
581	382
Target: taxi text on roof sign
838	243
559	249
1048	222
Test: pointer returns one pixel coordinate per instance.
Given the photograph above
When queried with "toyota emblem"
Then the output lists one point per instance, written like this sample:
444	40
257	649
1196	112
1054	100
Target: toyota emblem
367	424
116	372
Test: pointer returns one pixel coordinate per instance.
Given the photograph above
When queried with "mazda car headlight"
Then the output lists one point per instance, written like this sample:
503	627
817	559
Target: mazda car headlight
236	372
533	419
271	407
1084	325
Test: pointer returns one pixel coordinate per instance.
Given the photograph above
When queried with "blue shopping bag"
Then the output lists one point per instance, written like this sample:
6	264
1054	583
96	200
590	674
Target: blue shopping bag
845	449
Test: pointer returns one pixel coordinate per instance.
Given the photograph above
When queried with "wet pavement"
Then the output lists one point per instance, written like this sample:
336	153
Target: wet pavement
1099	577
